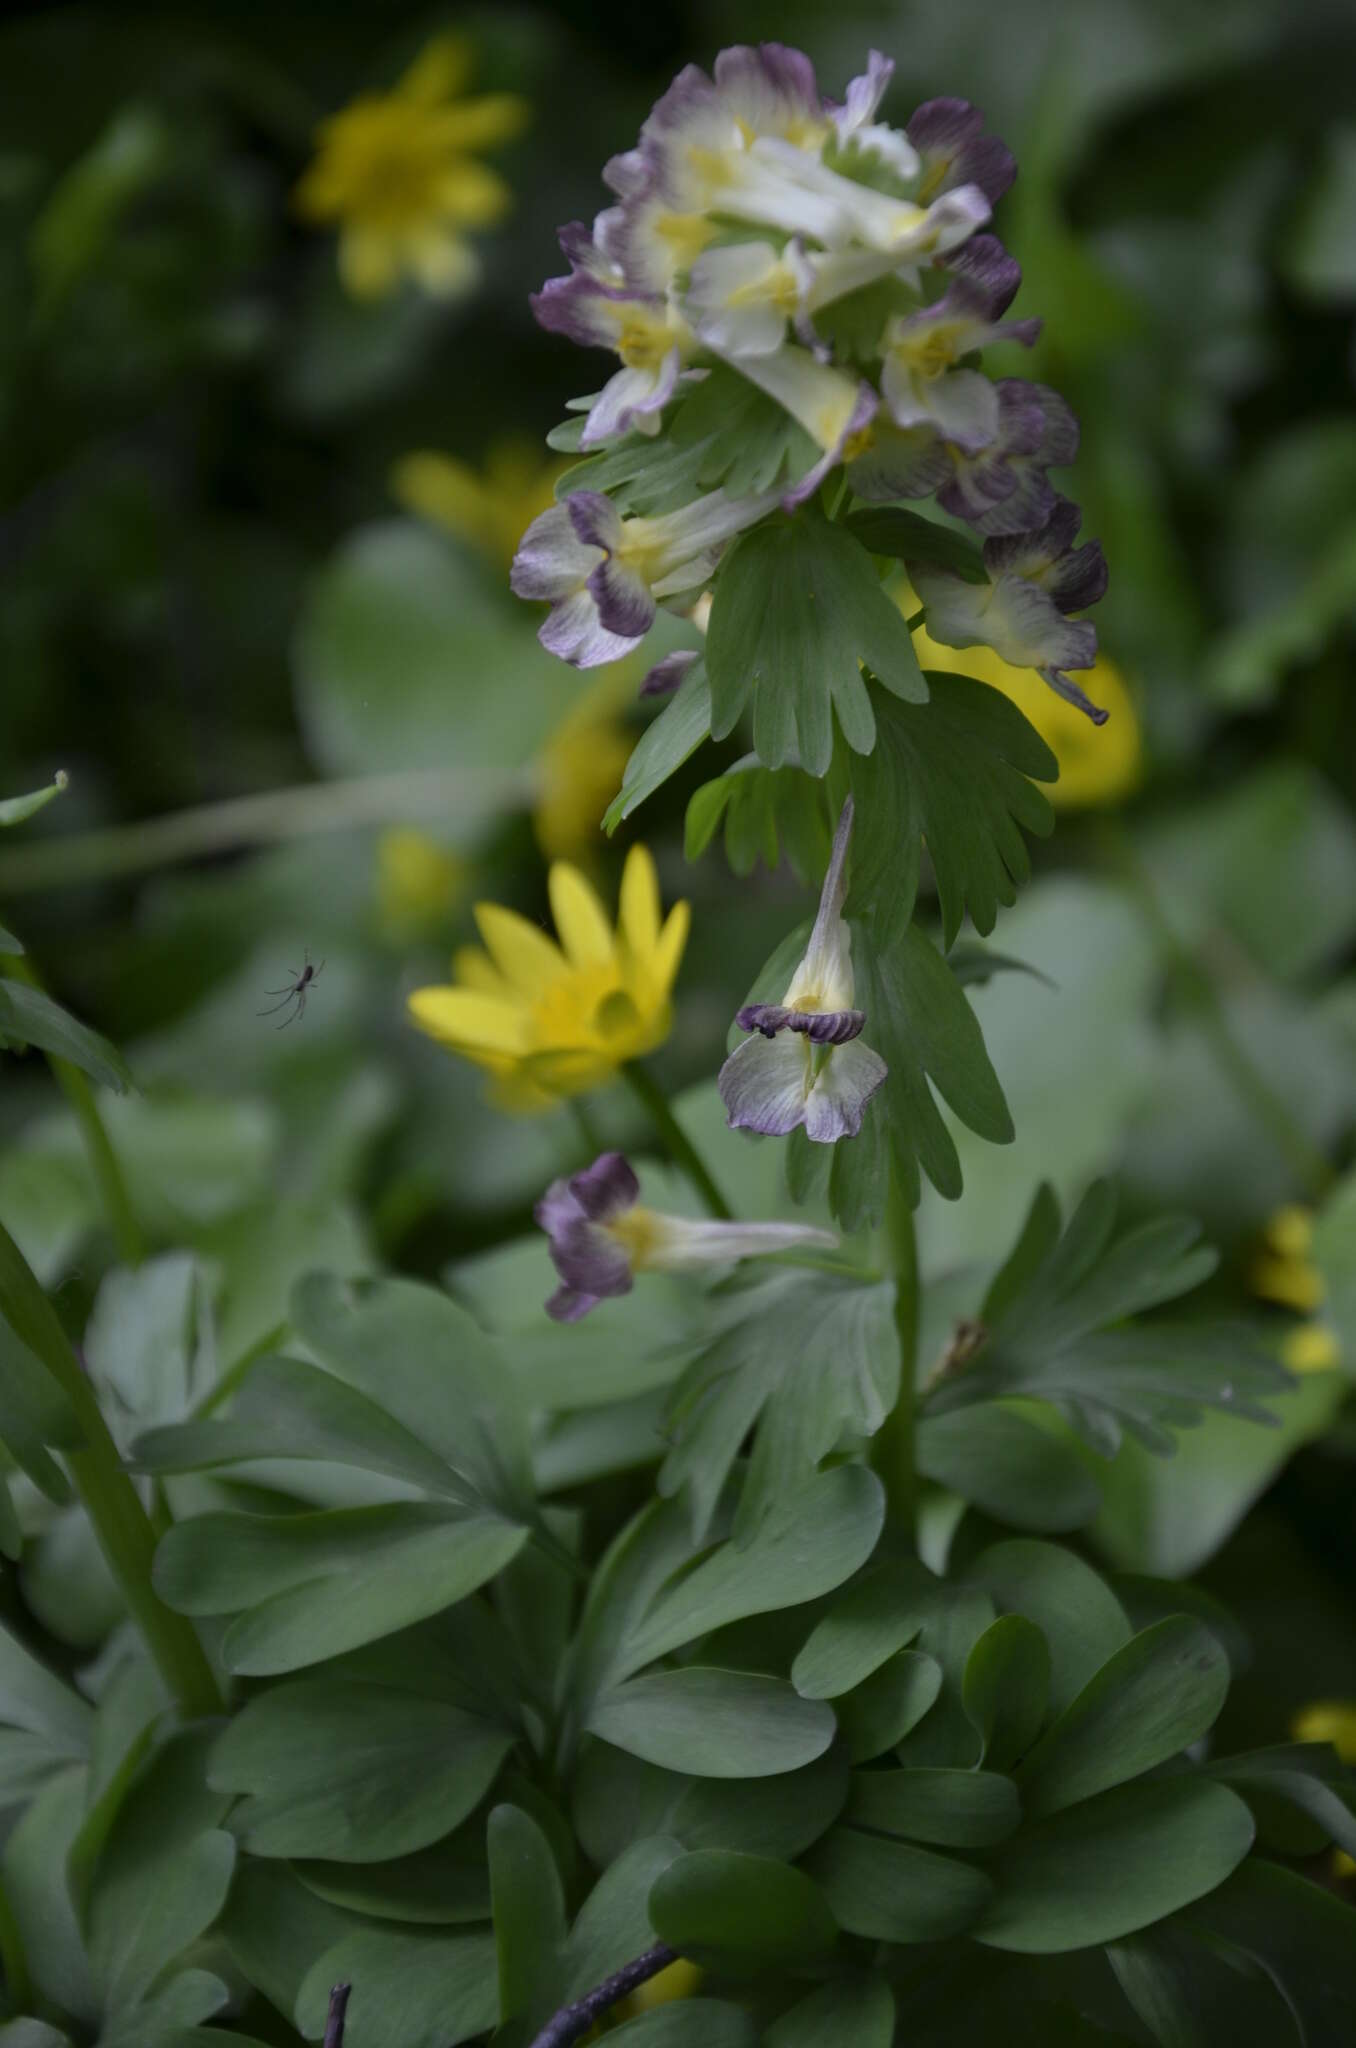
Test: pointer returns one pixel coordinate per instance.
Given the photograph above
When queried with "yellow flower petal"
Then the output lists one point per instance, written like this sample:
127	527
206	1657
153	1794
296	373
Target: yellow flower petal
470	1021
476	970
1311	1347
470	195
440	70
482	122
1331	1721
443	263
580	918
369	261
638	918
441	489
668	952
1290	1232
520	950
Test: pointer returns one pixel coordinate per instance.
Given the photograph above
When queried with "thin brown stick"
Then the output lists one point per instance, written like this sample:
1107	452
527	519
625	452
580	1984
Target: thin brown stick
572	2022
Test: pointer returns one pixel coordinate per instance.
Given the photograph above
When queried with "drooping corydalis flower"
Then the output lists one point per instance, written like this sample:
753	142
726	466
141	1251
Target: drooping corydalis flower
1034	581
601	1237
603	576
806	1062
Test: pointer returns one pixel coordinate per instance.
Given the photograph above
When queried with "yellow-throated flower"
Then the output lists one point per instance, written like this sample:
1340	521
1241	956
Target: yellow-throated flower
490	507
549	1019
1098	765
397	171
1284	1271
418	881
601	1237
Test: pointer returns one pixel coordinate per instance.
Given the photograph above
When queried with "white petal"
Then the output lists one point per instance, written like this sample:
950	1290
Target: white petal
848	1079
764	1083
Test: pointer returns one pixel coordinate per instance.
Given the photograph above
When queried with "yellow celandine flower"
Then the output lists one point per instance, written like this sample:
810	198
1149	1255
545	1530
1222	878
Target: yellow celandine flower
680	1980
418	881
548	1019
1098	765
1331	1721
396	171
1284	1271
491	508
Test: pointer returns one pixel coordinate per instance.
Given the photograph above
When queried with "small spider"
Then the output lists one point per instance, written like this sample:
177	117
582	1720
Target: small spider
297	988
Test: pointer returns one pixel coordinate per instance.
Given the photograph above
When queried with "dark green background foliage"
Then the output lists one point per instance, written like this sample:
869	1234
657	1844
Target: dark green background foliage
539	1644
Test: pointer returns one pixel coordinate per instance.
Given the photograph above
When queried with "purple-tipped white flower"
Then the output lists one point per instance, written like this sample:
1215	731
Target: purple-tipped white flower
1035	579
834	408
668	673
806	1063
857	131
601	1237
949	137
603	575
920	382
599	307
999	488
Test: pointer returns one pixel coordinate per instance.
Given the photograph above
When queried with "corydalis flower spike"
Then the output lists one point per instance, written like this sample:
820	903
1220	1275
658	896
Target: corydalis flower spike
819	1074
600	1237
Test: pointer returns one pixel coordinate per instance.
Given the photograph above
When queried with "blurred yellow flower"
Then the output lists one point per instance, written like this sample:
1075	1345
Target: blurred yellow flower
580	768
1098	765
681	1980
490	508
550	1019
418	881
1331	1721
396	171
1284	1271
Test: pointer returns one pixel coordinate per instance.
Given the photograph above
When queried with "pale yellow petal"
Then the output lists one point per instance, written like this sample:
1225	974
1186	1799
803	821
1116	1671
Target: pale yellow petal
466	1019
369	262
474	969
526	957
580	918
638	918
444	264
442	489
1311	1347
668	952
1331	1721
482	122
471	195
440	70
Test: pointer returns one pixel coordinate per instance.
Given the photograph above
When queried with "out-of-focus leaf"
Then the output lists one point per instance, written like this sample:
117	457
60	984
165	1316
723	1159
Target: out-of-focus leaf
70	232
1008	1466
888	1890
1321	249
909	536
14	810
28	1017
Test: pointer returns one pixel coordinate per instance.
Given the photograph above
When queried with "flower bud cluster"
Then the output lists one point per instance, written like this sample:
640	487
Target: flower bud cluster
842	267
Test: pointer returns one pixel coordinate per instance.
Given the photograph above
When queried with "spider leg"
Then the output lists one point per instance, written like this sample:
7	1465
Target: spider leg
281	991
289	1020
277	1006
316	976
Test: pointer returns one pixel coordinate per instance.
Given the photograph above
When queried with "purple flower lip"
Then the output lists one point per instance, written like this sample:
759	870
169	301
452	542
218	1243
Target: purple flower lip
592	1265
663	679
822	1027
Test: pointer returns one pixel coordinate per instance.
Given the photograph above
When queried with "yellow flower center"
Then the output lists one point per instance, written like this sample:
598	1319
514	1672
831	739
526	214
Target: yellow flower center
637	1232
643	340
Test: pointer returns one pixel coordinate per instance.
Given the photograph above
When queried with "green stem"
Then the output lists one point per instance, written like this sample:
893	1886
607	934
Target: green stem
121	1524
60	861
18	1984
1269	1111
676	1142
586	1127
893	1447
104	1162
